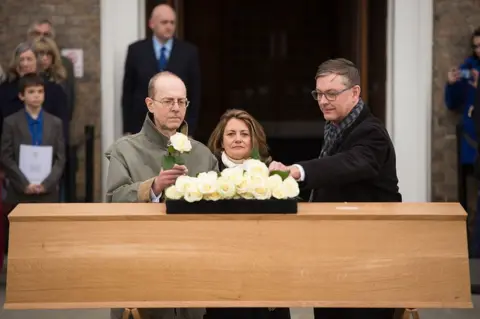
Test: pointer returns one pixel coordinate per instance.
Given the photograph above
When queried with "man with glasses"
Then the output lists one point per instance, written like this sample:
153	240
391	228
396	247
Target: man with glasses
135	172
357	158
44	29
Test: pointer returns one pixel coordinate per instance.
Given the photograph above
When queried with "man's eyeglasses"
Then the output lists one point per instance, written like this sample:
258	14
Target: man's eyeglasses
330	96
41	34
170	102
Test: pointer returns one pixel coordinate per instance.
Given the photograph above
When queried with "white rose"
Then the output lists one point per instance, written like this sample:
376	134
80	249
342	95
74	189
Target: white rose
235	174
183	182
172	193
291	187
213	196
259	188
207	184
274	181
225	187
255	167
181	143
192	194
279	192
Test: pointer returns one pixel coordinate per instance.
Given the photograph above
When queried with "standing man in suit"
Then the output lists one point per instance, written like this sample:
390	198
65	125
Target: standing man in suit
162	52
357	160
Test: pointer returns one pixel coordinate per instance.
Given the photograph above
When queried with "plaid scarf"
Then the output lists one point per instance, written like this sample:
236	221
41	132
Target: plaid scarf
333	132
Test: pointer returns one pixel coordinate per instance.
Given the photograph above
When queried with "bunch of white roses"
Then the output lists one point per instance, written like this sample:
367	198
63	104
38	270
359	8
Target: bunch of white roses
252	180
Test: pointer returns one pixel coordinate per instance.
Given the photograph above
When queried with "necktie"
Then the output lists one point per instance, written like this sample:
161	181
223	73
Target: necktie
162	62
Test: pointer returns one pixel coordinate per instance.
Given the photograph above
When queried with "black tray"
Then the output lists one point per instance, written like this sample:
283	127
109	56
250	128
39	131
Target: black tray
233	206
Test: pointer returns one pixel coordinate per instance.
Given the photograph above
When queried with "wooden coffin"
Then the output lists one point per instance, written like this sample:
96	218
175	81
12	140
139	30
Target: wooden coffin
328	255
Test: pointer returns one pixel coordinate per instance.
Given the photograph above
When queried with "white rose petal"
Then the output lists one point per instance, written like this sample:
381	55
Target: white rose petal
225	187
279	192
235	174
243	186
291	187
181	143
207	185
256	168
212	175
192	194
247	195
172	193
274	181
213	196
183	182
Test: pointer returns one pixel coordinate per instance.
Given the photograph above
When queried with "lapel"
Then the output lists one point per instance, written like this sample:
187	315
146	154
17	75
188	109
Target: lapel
25	136
151	57
172	60
47	129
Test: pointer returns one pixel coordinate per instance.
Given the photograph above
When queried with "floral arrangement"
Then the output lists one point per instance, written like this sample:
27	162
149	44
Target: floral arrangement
252	180
179	144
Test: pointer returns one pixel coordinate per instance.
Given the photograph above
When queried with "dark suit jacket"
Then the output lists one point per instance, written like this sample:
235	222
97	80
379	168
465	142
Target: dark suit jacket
15	133
361	167
141	66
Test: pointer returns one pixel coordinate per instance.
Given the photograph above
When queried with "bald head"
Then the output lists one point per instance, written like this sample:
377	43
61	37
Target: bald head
162	22
167	101
163	82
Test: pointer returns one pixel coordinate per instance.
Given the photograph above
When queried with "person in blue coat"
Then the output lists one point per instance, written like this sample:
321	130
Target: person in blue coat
460	96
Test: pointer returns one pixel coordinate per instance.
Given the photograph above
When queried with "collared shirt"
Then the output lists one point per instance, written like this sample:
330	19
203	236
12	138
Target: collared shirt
157	47
35	127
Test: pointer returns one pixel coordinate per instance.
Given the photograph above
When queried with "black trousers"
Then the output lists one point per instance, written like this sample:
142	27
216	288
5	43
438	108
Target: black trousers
247	313
353	313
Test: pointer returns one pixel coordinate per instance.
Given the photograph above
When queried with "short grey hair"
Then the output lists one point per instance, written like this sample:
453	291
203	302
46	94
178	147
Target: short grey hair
31	29
342	67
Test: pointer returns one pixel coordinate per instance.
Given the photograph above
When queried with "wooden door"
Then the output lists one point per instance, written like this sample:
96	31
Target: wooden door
261	56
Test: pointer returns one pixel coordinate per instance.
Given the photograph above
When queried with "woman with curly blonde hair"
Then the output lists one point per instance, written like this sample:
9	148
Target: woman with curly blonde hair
50	60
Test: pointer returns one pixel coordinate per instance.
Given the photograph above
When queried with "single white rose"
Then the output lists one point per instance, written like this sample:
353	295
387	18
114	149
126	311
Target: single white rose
291	187
279	192
172	193
207	184
274	181
183	182
181	143
258	186
235	174
213	196
255	167
192	194
225	187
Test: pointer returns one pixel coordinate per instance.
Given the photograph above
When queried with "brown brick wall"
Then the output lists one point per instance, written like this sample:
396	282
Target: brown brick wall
454	21
77	25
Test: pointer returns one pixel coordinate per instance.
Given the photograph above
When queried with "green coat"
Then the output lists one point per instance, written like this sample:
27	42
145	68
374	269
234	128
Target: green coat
135	161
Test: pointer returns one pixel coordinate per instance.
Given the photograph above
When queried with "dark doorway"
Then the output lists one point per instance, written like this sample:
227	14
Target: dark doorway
262	56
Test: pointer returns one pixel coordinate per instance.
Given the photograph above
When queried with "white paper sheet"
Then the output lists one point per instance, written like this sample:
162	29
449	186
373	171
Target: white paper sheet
36	162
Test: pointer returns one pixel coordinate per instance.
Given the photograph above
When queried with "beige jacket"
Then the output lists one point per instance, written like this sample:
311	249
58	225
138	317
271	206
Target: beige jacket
136	160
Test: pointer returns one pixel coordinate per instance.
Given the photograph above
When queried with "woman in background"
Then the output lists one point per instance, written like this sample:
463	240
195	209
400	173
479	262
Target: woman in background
24	61
232	142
